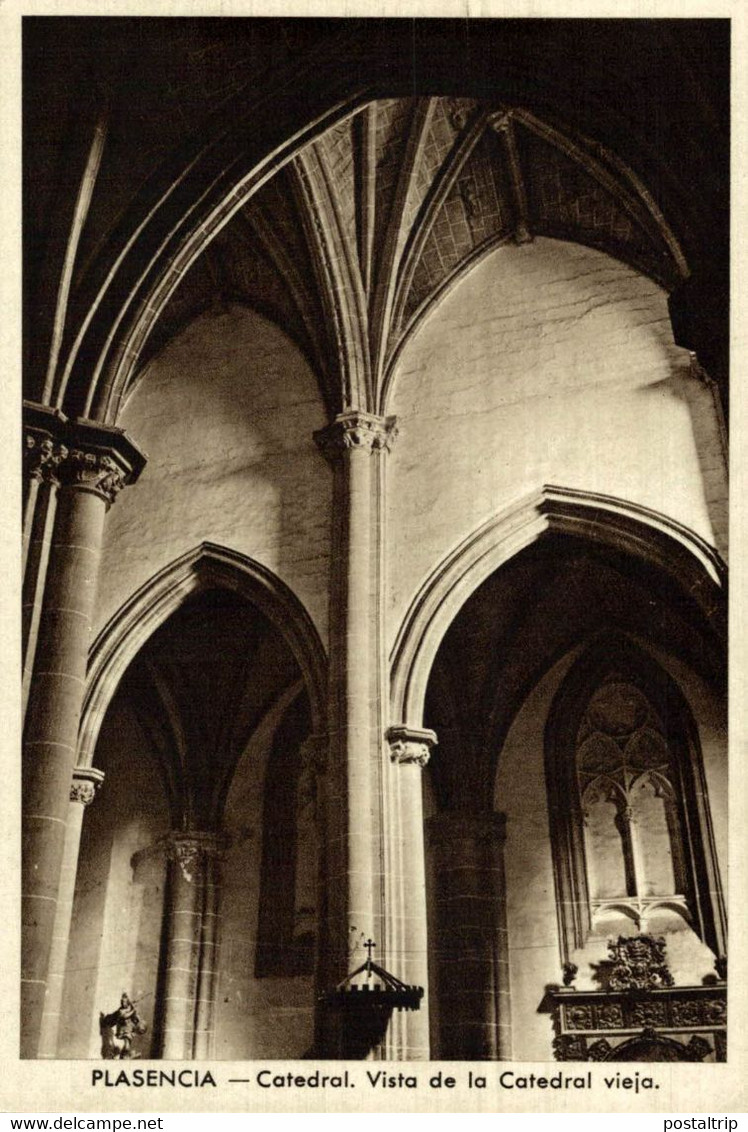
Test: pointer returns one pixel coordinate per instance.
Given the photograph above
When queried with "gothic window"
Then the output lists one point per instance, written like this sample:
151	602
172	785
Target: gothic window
630	826
628	790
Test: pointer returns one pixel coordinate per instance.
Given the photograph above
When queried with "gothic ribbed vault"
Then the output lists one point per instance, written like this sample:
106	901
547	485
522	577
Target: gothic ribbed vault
351	243
338	175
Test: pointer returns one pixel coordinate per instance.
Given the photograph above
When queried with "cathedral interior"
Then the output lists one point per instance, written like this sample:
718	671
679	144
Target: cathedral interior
375	531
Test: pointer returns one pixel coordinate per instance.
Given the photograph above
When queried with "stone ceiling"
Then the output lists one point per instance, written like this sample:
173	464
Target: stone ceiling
351	243
169	165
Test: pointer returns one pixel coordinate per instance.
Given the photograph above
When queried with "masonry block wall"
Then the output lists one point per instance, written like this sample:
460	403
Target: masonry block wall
226	414
549	363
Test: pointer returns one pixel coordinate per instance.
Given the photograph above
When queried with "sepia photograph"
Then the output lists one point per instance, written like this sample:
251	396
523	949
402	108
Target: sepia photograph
375	528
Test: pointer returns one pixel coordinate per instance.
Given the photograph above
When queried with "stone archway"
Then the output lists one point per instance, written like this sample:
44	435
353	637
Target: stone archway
180	854
694	566
574	572
206	565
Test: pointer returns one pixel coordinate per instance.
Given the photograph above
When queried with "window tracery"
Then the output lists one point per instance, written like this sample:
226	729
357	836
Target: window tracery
628	791
633	846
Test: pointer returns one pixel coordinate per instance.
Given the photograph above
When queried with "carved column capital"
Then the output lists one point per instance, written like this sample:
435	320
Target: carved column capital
190	848
410	744
43	442
95	472
101	460
80	454
86	783
356	430
42	455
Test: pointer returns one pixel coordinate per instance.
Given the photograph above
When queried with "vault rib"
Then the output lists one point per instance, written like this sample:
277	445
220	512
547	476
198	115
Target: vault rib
391	251
440	189
365	133
504	127
337	266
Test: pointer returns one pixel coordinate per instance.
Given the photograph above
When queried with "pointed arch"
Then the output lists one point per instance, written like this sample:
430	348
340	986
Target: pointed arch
679	553
207	566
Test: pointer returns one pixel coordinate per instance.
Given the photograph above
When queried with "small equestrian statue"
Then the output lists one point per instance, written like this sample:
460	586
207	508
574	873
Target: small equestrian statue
119	1028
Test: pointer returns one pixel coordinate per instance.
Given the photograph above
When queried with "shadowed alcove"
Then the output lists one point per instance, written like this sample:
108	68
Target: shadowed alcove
497	851
201	751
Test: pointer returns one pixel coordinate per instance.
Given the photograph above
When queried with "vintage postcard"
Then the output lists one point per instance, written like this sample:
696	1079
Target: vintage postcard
382	701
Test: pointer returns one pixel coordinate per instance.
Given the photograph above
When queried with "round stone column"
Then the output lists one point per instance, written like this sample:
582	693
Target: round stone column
356	444
192	941
208	969
99	462
405	911
85	785
469	946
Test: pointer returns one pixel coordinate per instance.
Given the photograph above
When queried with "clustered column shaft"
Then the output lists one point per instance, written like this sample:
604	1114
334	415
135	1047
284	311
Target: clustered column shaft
206	987
42	455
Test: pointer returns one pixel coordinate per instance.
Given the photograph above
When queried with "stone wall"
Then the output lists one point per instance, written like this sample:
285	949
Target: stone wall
549	363
226	415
